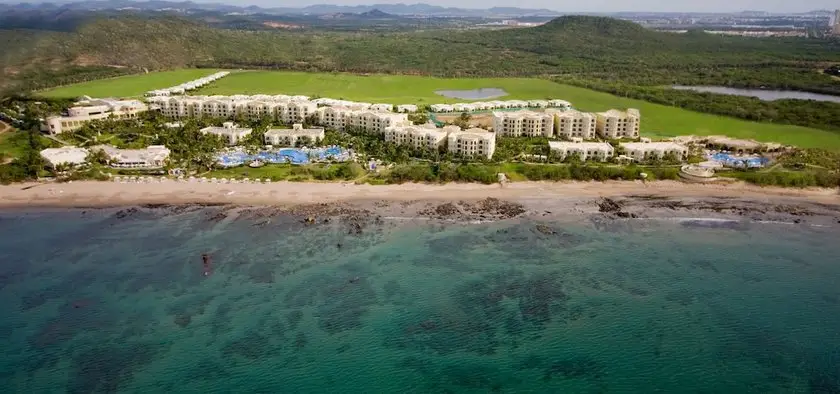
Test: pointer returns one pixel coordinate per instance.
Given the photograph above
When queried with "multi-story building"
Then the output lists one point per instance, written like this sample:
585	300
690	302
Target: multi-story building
473	142
154	156
643	150
419	137
407	108
835	28
616	124
340	118
286	109
229	132
574	124
290	137
91	109
599	151
523	124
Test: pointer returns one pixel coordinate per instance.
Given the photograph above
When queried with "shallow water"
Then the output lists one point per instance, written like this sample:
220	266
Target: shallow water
474	94
95	303
761	94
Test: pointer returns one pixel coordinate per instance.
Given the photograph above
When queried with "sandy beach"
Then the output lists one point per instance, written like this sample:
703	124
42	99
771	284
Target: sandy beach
111	194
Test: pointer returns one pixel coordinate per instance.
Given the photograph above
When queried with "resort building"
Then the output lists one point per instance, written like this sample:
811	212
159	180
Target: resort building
286	109
574	124
69	155
91	109
419	137
616	124
229	132
290	137
561	104
382	107
407	108
599	151
472	142
371	121
154	156
185	87
643	150
523	124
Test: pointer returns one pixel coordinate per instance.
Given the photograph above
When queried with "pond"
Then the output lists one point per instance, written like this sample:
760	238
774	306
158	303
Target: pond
761	94
474	94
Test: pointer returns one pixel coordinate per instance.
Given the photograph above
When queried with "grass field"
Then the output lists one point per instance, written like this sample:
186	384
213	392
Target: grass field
128	86
657	120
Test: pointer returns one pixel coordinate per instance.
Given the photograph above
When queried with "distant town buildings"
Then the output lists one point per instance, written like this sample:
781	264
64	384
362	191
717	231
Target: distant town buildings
231	133
67	155
90	109
523	124
615	124
154	156
835	26
646	149
290	137
596	151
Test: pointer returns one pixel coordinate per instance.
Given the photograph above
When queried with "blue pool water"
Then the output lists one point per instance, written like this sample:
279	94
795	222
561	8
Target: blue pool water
734	161
290	155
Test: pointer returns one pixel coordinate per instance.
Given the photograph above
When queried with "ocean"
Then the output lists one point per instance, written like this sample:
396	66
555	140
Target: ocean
93	301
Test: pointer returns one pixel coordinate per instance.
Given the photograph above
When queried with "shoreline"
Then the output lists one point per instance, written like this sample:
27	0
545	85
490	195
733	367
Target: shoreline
602	202
96	194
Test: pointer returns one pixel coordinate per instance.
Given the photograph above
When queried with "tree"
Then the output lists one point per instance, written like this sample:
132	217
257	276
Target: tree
98	156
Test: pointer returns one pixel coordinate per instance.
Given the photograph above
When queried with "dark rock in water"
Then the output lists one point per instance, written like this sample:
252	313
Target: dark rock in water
608	205
545	229
124	213
183	320
716	224
300	341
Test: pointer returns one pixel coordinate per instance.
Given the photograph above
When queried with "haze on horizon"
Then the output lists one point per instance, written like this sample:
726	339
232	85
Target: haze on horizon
776	6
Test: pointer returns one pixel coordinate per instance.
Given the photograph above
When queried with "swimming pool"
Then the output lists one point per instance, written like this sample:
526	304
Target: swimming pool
286	155
736	161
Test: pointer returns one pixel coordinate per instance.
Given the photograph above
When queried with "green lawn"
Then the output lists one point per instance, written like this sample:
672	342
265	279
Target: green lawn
128	86
657	120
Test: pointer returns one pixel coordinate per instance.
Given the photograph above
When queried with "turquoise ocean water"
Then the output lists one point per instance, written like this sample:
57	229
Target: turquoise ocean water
92	303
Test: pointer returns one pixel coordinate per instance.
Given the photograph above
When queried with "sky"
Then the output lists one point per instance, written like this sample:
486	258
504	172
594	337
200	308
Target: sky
556	5
582	6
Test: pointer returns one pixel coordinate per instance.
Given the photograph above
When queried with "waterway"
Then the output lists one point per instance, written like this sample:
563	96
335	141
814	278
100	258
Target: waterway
474	94
761	94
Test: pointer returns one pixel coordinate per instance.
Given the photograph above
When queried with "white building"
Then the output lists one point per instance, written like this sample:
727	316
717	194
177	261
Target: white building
154	156
642	150
616	124
574	124
523	124
599	151
92	109
286	109
562	104
290	137
472	142
442	108
382	107
187	86
419	137
70	155
229	132
406	108
340	118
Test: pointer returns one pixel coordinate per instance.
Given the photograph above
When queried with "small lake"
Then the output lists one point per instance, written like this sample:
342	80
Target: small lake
761	94
474	94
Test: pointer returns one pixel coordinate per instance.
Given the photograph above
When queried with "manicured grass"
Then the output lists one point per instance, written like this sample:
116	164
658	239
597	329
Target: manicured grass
657	120
128	86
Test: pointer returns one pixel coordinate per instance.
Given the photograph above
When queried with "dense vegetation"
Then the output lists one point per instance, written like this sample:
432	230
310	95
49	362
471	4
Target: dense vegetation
592	47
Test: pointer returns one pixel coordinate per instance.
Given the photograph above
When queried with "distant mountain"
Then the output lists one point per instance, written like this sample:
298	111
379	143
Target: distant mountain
419	9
